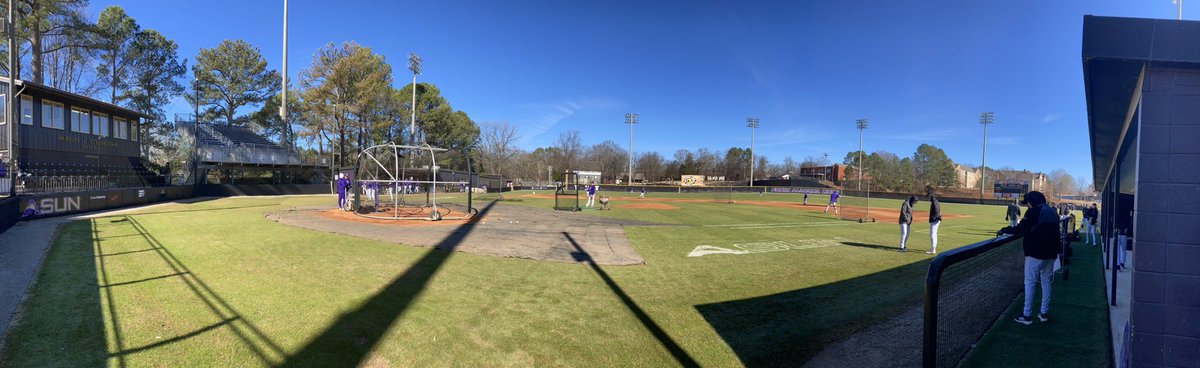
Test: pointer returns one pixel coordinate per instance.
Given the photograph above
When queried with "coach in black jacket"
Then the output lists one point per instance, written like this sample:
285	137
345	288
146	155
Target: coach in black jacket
906	220
1041	245
935	219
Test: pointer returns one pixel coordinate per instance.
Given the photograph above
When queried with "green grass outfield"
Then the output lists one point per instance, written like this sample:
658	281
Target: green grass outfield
214	283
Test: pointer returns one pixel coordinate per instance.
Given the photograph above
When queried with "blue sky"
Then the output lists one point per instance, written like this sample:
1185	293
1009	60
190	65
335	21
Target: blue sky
695	70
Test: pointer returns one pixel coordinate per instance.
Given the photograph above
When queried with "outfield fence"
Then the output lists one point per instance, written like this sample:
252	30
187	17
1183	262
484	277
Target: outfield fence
967	289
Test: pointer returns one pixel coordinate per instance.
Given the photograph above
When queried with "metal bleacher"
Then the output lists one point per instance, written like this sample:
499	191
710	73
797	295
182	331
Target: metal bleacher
227	144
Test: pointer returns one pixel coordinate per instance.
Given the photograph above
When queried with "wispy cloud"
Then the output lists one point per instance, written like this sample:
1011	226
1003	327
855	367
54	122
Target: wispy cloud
547	115
791	137
1051	117
1002	141
926	136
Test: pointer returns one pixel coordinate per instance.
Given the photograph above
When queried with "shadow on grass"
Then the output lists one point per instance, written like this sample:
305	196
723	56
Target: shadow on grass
676	351
873	246
789	328
263	347
348	341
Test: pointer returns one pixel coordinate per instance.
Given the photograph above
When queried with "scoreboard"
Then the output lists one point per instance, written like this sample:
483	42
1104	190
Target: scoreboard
1010	189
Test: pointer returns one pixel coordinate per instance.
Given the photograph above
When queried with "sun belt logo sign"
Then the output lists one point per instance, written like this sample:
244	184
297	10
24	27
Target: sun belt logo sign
48	206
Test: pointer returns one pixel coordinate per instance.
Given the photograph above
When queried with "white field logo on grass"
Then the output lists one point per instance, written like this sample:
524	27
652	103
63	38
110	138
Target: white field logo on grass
764	247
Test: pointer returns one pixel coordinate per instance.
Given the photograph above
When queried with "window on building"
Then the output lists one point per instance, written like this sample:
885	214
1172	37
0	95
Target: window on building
81	121
52	115
100	125
26	110
133	130
3	101
121	128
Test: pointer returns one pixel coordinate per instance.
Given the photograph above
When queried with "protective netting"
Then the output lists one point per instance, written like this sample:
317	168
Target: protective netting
973	294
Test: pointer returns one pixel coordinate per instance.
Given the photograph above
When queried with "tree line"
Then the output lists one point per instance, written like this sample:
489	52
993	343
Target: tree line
345	99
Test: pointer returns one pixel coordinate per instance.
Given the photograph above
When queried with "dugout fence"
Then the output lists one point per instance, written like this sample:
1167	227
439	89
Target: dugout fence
967	289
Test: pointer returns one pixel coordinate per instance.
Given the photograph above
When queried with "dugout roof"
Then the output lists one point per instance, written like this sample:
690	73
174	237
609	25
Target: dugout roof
1115	53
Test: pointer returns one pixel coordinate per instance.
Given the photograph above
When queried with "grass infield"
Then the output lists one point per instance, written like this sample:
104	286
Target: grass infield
215	283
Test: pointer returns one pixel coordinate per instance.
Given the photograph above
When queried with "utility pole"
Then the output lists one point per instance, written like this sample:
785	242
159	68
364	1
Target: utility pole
862	125
752	123
414	64
11	98
631	119
985	119
283	101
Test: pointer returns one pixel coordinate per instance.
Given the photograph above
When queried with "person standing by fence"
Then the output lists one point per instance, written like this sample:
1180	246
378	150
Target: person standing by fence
906	219
1041	247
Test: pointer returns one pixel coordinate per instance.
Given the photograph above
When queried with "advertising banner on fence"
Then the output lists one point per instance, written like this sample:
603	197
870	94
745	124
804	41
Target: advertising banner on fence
691	180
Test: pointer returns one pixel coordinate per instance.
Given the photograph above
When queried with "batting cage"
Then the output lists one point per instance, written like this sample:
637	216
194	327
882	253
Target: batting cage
397	182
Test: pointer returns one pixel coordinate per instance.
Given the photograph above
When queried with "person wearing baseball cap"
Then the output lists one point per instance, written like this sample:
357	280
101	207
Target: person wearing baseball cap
1041	246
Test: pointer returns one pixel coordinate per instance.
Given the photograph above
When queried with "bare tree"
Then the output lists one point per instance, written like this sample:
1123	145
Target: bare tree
651	165
707	162
568	150
1061	182
499	146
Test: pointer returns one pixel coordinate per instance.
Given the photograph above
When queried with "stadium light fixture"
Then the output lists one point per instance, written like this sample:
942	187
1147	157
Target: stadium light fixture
414	64
631	119
862	125
752	123
985	119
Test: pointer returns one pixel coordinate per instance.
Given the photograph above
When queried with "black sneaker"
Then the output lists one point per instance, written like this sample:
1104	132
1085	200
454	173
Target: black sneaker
1043	317
1025	320
902	250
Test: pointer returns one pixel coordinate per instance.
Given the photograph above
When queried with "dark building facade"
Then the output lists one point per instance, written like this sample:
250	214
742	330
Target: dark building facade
1142	79
68	142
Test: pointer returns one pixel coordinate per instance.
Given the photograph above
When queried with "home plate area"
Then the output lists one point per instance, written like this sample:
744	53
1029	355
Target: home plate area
764	247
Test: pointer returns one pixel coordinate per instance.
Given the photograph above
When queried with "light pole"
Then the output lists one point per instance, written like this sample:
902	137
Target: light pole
825	165
414	64
862	125
283	102
1180	4
985	118
752	123
631	119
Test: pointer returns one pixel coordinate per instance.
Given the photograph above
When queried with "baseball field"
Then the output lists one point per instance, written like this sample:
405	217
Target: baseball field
674	279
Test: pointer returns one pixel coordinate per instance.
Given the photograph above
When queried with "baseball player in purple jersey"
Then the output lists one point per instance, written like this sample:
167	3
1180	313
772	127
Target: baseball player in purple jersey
341	190
591	192
833	198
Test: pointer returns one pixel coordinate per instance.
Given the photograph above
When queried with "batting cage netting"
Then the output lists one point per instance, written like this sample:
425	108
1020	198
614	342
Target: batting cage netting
854	204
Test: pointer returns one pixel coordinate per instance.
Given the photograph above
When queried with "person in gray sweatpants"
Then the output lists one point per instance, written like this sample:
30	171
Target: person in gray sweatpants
1041	247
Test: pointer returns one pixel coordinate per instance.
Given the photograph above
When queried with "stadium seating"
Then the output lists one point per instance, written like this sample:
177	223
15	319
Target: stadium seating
228	144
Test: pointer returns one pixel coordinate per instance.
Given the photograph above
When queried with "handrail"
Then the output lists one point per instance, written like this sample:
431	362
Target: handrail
933	281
